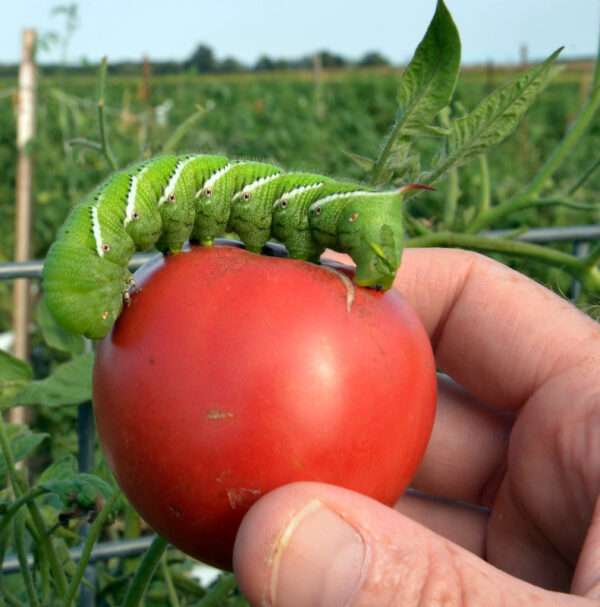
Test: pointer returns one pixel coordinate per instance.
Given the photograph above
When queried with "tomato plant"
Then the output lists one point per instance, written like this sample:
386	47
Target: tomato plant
231	374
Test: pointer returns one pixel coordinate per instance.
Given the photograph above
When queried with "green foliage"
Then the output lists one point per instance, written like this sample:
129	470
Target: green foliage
497	115
22	442
425	87
428	83
69	384
14	375
78	489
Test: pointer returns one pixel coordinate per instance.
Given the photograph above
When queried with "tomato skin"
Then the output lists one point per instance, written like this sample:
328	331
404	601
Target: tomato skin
231	374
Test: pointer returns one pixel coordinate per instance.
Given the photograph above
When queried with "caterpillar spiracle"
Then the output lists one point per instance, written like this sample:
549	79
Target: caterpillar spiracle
170	199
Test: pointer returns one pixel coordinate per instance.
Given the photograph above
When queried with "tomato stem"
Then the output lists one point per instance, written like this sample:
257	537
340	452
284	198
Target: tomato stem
92	536
577	267
20	489
145	572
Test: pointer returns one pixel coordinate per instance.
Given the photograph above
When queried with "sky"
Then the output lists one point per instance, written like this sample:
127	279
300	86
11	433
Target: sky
491	30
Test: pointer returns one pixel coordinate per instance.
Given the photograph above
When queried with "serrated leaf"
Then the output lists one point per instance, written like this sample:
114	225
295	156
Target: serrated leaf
69	384
22	442
366	164
15	374
427	130
498	114
54	335
81	489
426	85
64	468
407	168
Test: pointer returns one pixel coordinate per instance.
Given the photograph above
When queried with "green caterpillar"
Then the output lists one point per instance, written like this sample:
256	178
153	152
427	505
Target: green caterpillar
168	200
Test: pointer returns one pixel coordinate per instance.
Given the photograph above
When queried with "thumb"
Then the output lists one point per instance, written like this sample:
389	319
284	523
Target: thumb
309	544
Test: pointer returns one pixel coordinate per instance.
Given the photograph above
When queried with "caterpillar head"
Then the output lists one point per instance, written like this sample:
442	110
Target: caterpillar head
369	229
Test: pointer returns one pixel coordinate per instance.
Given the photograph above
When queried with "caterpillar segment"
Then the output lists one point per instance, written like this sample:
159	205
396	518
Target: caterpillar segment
214	199
290	223
253	207
168	200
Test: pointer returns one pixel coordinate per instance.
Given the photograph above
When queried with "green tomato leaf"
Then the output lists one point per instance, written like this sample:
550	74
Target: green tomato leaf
54	335
15	374
428	83
80	489
22	442
498	114
366	164
69	384
426	86
63	469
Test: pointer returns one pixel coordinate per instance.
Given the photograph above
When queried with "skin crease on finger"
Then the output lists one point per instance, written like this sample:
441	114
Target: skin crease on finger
516	346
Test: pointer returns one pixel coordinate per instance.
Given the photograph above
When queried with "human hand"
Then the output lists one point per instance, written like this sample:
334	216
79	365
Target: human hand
520	441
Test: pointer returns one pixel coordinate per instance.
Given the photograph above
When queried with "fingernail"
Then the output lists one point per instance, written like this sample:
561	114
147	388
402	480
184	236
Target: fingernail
317	560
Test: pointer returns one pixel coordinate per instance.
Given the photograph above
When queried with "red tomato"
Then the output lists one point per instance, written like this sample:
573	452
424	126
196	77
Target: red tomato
232	373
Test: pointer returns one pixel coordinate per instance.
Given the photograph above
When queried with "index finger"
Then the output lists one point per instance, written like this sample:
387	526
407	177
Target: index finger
495	331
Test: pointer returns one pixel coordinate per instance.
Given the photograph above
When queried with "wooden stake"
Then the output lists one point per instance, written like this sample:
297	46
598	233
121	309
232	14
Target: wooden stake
25	134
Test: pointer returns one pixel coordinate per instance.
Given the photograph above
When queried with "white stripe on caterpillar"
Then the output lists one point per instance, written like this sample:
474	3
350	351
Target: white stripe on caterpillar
170	187
97	232
339	195
210	182
130	210
297	191
131	196
255	184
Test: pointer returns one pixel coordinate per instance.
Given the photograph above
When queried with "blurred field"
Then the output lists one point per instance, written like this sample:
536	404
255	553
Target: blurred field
301	120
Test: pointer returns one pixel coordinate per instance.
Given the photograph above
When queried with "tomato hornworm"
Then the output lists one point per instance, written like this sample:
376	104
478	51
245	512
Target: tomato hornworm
168	200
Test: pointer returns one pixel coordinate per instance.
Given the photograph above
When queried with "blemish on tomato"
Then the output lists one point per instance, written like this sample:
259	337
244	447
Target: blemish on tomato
216	414
240	497
221	478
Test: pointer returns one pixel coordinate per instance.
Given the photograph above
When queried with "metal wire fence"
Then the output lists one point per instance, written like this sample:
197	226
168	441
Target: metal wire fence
580	236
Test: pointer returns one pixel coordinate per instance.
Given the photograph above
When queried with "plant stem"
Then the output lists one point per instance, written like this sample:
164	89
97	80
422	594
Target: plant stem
17	485
85	143
486	186
90	540
587	174
593	257
48	548
14	507
101	117
452	196
385	152
166	574
145	571
19	528
216	596
11	600
575	266
414	226
182	130
45	542
560	154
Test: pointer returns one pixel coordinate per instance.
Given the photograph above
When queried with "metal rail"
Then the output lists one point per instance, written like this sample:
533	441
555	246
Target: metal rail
583	233
579	235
